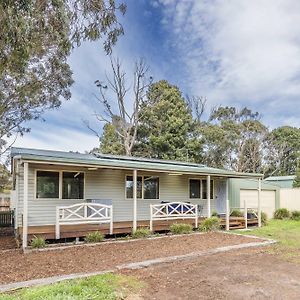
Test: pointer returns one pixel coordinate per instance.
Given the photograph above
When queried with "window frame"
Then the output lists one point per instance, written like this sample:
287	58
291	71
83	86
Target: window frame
60	187
201	188
143	176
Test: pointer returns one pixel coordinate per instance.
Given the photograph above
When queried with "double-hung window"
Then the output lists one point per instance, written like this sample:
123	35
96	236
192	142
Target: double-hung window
198	189
59	185
47	184
72	185
147	187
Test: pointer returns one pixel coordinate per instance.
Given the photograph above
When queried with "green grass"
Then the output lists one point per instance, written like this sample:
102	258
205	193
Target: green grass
106	287
286	232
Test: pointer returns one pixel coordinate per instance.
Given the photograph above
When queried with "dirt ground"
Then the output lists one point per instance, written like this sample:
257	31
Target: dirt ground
7	242
242	274
16	266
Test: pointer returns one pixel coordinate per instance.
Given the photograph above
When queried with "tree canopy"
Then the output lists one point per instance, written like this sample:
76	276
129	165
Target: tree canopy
36	38
173	127
166	124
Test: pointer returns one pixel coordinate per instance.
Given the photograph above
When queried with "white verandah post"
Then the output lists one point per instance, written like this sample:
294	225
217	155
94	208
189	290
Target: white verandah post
227	205
134	227
259	202
25	207
246	214
208	196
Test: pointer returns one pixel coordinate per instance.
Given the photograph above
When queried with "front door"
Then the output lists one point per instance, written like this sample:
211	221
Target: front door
221	196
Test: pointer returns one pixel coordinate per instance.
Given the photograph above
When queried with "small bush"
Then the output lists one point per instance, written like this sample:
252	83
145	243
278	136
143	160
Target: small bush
210	224
214	213
295	215
281	213
94	237
264	218
236	213
181	228
141	233
38	242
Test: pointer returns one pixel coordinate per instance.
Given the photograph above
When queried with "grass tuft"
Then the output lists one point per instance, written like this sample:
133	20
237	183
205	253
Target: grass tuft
94	237
181	228
107	286
210	224
141	233
38	242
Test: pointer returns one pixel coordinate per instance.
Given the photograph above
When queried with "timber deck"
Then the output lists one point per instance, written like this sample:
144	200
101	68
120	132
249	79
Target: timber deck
73	231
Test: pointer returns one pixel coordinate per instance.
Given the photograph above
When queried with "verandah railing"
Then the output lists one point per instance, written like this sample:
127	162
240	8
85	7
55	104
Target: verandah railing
6	218
173	211
83	213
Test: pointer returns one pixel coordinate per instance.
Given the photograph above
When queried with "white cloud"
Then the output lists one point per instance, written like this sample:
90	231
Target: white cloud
238	51
56	138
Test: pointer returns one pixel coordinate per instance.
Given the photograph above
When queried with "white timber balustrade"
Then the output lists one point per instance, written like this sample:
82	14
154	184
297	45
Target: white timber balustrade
173	211
83	213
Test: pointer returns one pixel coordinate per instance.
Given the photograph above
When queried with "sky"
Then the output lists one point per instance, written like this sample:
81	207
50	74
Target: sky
235	52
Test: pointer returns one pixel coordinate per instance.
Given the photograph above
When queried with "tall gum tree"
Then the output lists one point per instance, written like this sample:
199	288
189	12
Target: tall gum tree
36	38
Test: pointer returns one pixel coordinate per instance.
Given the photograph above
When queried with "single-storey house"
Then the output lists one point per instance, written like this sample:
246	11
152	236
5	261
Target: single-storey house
67	194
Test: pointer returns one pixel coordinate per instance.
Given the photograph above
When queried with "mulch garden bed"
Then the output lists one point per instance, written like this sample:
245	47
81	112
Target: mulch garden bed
7	242
17	266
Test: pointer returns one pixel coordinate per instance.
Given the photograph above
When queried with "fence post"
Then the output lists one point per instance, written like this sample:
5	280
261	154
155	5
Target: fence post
111	221
57	229
246	214
196	213
151	220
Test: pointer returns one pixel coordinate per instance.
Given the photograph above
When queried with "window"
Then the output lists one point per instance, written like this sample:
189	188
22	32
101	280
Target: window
151	187
147	187
72	185
195	189
204	189
129	187
47	184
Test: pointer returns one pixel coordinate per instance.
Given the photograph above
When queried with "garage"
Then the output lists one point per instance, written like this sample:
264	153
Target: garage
268	200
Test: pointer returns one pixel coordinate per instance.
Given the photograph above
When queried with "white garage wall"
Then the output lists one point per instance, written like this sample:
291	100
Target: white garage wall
290	198
267	200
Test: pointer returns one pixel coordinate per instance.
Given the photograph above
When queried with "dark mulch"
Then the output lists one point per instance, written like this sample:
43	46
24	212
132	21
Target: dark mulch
17	266
7	242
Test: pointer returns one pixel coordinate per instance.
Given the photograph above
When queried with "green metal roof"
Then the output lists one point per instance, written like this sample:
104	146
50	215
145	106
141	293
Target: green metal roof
122	162
282	181
280	178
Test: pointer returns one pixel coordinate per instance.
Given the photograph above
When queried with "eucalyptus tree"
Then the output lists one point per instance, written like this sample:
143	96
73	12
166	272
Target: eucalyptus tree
36	39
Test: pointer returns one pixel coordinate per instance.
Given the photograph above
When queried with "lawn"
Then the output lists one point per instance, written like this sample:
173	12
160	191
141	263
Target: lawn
106	287
286	232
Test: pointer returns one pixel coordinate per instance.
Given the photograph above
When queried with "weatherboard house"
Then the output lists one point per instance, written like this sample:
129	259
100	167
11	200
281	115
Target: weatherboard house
66	194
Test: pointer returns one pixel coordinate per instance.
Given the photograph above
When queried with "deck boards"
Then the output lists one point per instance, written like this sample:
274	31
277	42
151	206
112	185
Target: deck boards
73	231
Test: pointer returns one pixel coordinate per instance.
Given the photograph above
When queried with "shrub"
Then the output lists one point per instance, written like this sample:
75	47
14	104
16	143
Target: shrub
38	242
94	237
141	233
295	215
236	213
264	218
181	228
210	224
281	213
214	213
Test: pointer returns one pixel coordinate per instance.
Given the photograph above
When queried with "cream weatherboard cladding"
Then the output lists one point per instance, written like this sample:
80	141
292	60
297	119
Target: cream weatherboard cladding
104	184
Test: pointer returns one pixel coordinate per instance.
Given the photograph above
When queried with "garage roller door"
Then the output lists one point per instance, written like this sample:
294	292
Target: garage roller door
267	200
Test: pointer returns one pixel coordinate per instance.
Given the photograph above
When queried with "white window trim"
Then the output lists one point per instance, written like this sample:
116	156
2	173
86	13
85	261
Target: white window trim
143	176
60	183
201	188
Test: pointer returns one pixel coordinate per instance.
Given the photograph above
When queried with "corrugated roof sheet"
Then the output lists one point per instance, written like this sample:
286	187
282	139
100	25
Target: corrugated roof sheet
280	178
115	161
